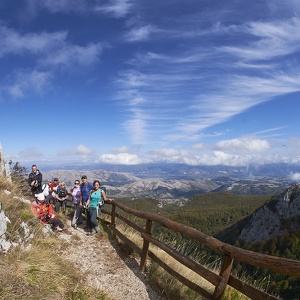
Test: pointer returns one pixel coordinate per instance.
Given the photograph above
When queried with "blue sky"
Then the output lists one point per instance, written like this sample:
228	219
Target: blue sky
133	81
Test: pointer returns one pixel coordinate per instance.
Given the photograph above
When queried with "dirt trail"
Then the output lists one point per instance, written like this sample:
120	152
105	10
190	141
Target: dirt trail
108	267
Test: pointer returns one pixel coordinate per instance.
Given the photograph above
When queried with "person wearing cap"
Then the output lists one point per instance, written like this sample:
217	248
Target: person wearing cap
85	189
45	214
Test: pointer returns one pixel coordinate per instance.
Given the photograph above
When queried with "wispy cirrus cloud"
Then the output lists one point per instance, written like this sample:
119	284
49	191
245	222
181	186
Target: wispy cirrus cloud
212	85
21	82
272	39
140	33
13	42
116	8
57	6
47	51
48	48
71	55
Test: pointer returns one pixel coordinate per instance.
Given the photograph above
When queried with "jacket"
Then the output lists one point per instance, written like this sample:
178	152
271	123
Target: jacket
38	177
43	211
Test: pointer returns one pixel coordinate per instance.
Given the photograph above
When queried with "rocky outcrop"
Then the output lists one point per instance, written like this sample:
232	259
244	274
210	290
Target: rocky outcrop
279	216
4	244
4	167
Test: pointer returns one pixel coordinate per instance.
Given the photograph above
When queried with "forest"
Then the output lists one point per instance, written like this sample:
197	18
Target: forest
222	215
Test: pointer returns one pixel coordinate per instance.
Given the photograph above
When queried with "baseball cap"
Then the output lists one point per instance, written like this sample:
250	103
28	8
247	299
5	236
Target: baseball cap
83	177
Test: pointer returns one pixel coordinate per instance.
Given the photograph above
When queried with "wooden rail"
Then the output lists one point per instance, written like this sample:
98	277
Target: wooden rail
227	253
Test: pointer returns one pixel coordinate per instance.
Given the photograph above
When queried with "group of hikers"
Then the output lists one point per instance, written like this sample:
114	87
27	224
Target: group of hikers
49	198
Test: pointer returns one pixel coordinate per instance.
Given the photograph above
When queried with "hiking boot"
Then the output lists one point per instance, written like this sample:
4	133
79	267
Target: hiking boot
67	231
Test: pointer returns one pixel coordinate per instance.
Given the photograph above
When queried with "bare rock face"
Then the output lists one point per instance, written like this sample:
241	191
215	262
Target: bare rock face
4	167
279	216
4	244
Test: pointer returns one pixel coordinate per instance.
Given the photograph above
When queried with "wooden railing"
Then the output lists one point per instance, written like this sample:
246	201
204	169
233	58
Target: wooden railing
227	253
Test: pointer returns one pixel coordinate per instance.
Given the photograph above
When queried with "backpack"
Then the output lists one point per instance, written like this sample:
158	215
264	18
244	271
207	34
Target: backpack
102	188
62	192
45	189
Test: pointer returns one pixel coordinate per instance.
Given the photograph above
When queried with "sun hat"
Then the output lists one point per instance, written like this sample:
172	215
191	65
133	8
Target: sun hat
40	197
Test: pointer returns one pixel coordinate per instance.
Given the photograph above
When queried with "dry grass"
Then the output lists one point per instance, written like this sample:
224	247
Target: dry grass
36	269
171	287
166	283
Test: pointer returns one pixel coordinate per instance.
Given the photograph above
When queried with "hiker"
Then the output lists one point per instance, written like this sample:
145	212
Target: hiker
95	200
85	189
35	179
61	197
44	212
51	198
76	194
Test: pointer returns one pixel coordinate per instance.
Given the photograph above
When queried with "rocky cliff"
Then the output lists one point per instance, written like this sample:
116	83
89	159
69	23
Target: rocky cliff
4	167
277	217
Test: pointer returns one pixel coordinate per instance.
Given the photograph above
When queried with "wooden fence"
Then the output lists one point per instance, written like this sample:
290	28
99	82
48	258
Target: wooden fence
227	254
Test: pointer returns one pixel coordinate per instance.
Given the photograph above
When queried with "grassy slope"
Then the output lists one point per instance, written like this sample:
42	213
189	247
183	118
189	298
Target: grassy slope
36	270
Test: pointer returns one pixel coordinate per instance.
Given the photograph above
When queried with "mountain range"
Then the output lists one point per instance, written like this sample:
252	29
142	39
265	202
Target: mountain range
178	183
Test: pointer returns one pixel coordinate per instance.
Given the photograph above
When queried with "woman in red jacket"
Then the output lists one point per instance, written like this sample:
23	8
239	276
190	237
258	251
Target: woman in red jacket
44	212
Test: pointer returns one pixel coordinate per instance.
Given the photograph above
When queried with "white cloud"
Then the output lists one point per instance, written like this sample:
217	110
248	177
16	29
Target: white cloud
295	177
245	144
132	79
20	83
116	8
121	158
48	48
81	151
139	34
73	55
55	6
273	39
13	42
136	126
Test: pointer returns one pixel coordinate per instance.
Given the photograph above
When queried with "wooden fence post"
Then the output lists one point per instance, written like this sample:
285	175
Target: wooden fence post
145	246
113	215
113	218
224	273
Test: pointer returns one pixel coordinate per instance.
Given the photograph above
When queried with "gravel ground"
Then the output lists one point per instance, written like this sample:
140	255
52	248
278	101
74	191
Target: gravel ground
108	267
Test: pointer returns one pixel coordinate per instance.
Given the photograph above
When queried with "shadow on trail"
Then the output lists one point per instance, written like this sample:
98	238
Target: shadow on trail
125	253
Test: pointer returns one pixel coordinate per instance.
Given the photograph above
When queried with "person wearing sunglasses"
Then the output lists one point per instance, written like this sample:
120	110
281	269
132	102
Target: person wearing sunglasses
97	197
76	194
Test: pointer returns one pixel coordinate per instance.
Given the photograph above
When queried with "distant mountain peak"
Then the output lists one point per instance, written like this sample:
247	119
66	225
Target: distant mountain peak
279	216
